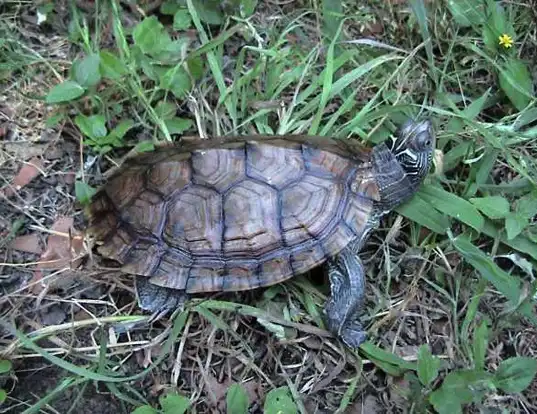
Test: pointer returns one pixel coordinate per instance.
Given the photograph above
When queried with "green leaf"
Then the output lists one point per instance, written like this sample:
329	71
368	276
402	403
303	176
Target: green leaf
466	12
165	110
497	24
423	213
92	126
452	205
182	20
64	92
5	366
376	352
516	82
177	81
279	401
480	344
3	395
515	374
145	409
209	11
195	67
178	125
122	128
237	400
475	108
494	207
526	206
54	120
515	224
83	192
169	7
247	7
144	146
86	71
111	66
521	243
459	388
151	36
174	404
428	365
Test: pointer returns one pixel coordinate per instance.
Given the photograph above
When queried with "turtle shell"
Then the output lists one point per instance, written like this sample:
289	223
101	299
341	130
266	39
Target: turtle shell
233	214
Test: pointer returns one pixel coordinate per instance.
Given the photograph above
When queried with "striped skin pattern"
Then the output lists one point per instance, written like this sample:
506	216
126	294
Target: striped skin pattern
236	214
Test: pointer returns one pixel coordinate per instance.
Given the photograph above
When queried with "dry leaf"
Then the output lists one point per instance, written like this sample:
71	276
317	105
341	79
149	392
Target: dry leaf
63	248
27	173
23	150
217	390
367	405
28	243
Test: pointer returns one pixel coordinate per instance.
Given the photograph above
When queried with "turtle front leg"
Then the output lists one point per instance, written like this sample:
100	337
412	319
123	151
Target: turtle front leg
157	299
347	285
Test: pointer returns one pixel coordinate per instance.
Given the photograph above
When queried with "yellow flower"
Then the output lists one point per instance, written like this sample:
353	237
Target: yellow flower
505	40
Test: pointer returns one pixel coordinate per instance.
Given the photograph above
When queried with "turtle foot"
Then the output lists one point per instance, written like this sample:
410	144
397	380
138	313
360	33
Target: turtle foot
353	335
157	299
343	307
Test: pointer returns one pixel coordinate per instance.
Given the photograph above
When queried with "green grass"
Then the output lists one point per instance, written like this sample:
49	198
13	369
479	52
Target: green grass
451	288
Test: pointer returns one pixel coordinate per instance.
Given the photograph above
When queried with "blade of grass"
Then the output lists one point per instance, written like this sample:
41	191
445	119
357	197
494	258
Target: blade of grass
508	285
452	205
327	82
63	386
423	213
420	11
178	325
213	64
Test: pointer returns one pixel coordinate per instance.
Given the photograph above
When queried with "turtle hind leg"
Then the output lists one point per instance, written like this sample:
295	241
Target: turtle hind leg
157	299
347	285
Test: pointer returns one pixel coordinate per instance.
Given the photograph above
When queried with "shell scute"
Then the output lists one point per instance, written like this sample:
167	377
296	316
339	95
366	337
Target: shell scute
277	166
205	278
145	213
309	206
194	221
170	176
123	189
118	245
218	168
143	258
251	220
241	274
325	163
271	268
173	269
307	258
340	236
357	214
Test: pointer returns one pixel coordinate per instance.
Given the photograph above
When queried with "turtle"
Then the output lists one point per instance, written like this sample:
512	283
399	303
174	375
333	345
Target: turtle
234	213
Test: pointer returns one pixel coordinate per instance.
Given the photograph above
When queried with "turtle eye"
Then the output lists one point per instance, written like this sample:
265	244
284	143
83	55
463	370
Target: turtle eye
425	141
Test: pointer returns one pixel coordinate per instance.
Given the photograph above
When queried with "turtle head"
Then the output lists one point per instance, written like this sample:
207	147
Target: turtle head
413	146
